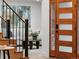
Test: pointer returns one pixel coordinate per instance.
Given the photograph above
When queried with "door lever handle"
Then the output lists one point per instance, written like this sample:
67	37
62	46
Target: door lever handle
56	26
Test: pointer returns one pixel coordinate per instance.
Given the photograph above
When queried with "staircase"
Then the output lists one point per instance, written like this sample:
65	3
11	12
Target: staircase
13	34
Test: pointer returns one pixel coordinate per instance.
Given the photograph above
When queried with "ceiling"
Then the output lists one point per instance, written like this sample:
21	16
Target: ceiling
24	0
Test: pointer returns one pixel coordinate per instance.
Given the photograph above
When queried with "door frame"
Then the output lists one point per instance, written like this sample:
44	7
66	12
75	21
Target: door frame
53	53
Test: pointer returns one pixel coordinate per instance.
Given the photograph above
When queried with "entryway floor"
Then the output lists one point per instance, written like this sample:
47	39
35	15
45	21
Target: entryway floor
36	54
37	57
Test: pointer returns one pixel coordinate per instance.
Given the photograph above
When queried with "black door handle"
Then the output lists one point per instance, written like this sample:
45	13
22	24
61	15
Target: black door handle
56	26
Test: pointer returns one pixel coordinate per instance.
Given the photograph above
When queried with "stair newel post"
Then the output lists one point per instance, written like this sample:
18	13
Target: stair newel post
8	29
26	38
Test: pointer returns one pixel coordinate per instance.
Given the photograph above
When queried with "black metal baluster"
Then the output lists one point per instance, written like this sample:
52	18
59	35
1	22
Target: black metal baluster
19	35
5	17
6	12
26	38
16	32
8	29
10	22
22	35
13	27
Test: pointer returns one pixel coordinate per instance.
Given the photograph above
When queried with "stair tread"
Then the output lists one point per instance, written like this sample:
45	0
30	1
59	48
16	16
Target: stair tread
1	33
7	39
3	39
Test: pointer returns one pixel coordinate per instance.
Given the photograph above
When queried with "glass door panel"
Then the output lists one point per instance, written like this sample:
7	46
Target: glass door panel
65	5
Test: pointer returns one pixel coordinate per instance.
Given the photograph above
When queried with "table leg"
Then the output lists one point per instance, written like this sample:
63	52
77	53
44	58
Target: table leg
30	44
8	54
37	44
3	54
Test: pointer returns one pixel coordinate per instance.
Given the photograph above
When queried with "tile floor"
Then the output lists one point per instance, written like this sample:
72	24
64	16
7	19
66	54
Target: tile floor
35	54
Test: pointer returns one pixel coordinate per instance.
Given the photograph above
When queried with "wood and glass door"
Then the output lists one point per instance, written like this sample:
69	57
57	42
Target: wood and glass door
66	29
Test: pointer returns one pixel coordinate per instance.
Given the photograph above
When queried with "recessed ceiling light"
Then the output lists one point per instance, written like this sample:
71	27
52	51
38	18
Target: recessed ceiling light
37	0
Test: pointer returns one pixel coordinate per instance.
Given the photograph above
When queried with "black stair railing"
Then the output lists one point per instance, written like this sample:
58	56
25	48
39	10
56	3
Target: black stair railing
17	28
3	26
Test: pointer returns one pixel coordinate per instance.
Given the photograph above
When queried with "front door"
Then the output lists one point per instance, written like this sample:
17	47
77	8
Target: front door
66	29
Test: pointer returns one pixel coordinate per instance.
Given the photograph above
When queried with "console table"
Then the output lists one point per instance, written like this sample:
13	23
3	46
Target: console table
34	42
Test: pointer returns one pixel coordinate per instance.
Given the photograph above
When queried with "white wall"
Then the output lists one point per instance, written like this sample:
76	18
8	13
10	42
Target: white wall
0	20
36	16
45	27
0	15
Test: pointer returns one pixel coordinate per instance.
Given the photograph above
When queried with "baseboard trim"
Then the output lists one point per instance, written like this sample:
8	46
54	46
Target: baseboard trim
52	54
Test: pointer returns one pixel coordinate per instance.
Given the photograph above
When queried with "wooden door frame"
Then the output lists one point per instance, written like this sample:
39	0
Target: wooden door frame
75	7
51	53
